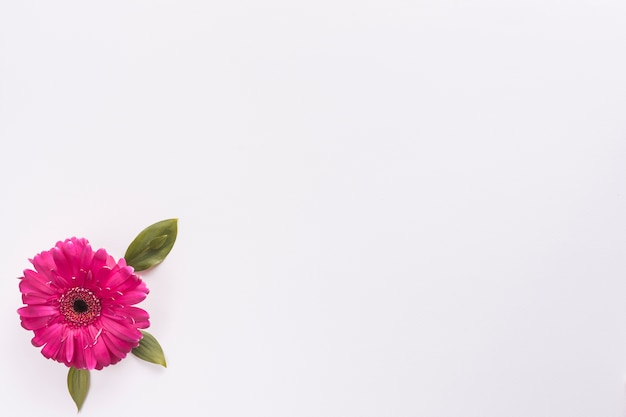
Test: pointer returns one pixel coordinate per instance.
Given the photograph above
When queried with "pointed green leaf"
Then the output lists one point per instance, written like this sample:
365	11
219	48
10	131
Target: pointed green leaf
78	384
158	242
152	245
150	350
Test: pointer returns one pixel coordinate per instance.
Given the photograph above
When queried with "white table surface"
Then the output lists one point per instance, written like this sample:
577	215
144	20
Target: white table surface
386	208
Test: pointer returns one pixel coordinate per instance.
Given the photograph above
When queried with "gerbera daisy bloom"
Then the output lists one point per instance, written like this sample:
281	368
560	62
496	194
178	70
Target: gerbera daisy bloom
79	304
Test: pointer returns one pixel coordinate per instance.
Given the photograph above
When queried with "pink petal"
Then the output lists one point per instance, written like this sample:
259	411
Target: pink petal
38	311
34	323
44	264
79	279
84	253
78	361
62	265
140	317
45	334
117	277
102	276
71	255
131	297
33	282
99	260
69	346
129	316
90	357
53	343
118	348
37	298
132	283
99	347
119	330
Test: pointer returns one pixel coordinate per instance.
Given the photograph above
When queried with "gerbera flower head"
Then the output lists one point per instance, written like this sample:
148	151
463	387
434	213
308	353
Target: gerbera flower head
80	305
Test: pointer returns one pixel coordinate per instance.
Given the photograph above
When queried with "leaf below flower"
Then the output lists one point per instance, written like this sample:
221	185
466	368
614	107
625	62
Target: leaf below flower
152	245
78	381
150	350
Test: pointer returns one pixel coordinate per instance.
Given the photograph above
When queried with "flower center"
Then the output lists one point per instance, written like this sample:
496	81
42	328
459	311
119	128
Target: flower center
79	307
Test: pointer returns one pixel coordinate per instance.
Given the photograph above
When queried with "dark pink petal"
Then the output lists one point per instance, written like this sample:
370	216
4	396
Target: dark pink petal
90	358
37	298
85	253
99	347
90	281
51	349
111	262
139	316
132	283
72	255
117	347
69	346
78	361
99	260
38	311
117	277
34	323
43	335
102	276
79	279
63	269
33	282
120	330
52	342
129	316
44	264
61	281
131	297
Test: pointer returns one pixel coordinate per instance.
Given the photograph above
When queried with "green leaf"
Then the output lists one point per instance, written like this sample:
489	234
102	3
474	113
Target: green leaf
158	242
152	245
150	350
78	384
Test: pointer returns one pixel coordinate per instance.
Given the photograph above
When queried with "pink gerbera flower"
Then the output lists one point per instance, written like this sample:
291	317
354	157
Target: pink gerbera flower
79	304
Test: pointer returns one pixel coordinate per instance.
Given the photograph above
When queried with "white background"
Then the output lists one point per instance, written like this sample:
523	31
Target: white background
386	208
